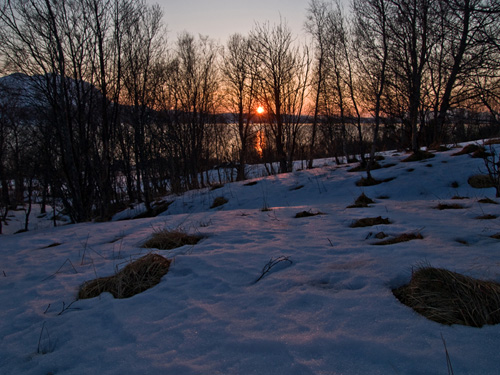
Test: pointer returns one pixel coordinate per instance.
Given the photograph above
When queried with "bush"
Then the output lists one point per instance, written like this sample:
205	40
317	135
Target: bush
450	298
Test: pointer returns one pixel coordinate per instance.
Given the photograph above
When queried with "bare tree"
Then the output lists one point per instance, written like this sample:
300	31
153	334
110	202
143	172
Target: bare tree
240	78
280	62
372	48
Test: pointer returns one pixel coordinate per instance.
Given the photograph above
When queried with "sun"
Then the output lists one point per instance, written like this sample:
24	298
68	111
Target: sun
260	110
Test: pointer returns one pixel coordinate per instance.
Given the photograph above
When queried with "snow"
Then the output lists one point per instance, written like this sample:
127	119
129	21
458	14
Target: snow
331	311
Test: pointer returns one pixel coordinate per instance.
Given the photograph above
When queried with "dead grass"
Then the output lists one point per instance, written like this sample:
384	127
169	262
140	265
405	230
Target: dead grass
158	208
369	222
487	201
496	236
486	217
493	141
372	181
451	298
405	237
469	149
134	278
459	197
219	201
418	156
170	239
361	201
301	214
445	206
481	181
362	167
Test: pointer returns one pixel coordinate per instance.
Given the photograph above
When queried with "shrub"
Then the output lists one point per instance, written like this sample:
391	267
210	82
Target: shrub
134	278
168	240
451	298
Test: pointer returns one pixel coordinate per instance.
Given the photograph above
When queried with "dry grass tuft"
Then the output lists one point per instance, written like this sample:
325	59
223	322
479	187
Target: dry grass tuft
459	197
158	208
369	222
451	298
216	186
362	167
168	240
486	217
445	206
496	236
134	278
418	156
487	201
219	201
493	141
467	150
481	181
361	201
307	214
405	237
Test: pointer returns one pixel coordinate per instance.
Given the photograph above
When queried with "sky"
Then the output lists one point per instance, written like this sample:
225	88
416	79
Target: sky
220	18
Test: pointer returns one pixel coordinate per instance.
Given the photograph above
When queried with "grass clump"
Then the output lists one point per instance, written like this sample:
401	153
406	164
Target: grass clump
481	181
134	278
158	208
219	201
486	217
361	201
309	213
445	206
369	222
405	237
469	149
487	201
170	239
418	156
449	298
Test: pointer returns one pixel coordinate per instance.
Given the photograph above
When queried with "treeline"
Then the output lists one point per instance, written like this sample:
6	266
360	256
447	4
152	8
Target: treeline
116	113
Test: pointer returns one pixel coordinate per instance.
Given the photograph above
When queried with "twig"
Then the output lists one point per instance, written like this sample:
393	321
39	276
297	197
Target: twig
39	349
272	262
55	273
47	309
331	243
4	274
66	308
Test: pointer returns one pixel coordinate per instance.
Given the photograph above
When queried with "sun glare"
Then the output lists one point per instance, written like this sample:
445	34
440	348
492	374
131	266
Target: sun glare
260	110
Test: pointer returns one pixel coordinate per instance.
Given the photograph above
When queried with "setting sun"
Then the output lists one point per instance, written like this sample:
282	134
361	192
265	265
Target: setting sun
260	110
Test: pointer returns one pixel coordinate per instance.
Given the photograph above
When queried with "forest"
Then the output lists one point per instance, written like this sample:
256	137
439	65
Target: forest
100	109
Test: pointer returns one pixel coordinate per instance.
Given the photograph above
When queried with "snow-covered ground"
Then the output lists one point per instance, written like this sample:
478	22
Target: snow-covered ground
329	312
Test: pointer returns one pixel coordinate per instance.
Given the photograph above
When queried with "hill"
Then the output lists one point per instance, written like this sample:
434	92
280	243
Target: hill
263	292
